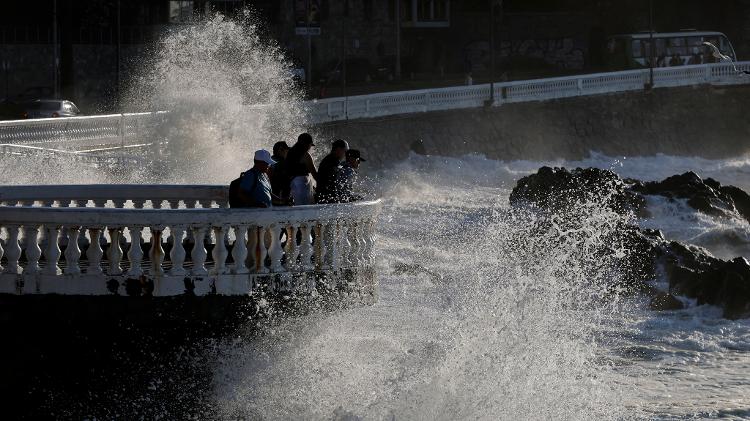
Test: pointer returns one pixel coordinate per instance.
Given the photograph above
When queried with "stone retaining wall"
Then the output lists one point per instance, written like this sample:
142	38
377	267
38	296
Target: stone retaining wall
697	121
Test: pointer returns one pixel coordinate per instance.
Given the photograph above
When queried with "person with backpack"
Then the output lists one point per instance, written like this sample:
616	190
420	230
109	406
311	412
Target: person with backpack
253	188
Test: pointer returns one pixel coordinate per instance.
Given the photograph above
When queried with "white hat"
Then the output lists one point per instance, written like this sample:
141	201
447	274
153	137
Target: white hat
265	156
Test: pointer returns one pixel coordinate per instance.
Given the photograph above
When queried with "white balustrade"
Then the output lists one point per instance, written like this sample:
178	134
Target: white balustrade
250	248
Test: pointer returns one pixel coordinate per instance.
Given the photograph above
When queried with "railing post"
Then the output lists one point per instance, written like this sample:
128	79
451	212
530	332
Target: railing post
198	255
275	251
135	253
94	253
156	254
306	247
73	252
33	252
291	250
177	254
13	250
239	250
219	252
114	252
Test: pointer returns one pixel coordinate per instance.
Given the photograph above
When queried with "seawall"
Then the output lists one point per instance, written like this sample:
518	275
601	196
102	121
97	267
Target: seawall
706	121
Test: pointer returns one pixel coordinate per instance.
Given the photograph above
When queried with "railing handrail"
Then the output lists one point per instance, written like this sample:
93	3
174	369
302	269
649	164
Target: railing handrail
23	193
121	217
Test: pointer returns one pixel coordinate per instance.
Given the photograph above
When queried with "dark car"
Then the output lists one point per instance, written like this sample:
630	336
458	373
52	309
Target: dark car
48	108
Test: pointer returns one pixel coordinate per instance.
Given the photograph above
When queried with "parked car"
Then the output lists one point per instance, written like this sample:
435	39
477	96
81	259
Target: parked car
10	110
47	108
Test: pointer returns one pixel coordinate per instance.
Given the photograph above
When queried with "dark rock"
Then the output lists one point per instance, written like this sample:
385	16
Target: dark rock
707	196
557	189
741	199
665	302
691	271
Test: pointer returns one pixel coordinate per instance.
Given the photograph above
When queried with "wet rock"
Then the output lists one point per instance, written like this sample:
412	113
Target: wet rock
707	196
665	302
690	270
557	189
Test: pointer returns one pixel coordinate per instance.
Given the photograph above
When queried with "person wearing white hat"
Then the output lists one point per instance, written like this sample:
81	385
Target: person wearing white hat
255	187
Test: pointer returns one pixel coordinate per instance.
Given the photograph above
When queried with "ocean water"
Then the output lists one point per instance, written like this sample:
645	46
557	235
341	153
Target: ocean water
481	317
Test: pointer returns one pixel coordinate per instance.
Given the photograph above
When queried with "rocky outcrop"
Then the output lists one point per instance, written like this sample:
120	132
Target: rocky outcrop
557	189
707	196
691	271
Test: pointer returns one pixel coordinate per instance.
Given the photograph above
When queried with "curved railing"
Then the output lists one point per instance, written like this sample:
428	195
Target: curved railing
156	240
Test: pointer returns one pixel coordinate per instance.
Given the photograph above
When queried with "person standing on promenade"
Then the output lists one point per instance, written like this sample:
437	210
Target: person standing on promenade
300	170
328	171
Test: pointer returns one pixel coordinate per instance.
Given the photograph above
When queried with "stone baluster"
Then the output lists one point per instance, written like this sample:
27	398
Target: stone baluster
13	251
135	252
353	236
320	246
290	249
2	252
52	253
362	234
73	252
344	245
306	247
239	250
177	254
33	252
156	254
369	241
261	263
220	252
275	252
253	252
114	253
199	254
331	246
94	253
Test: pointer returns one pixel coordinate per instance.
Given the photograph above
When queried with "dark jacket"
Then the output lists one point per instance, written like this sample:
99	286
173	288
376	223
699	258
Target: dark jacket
327	173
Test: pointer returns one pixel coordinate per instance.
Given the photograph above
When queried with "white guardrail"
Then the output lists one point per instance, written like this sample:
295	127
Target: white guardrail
122	130
163	240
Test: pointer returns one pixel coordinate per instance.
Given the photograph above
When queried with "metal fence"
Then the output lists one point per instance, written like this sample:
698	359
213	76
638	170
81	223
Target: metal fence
122	130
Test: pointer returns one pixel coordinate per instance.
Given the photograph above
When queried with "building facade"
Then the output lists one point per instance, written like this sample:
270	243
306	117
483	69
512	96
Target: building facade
84	49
